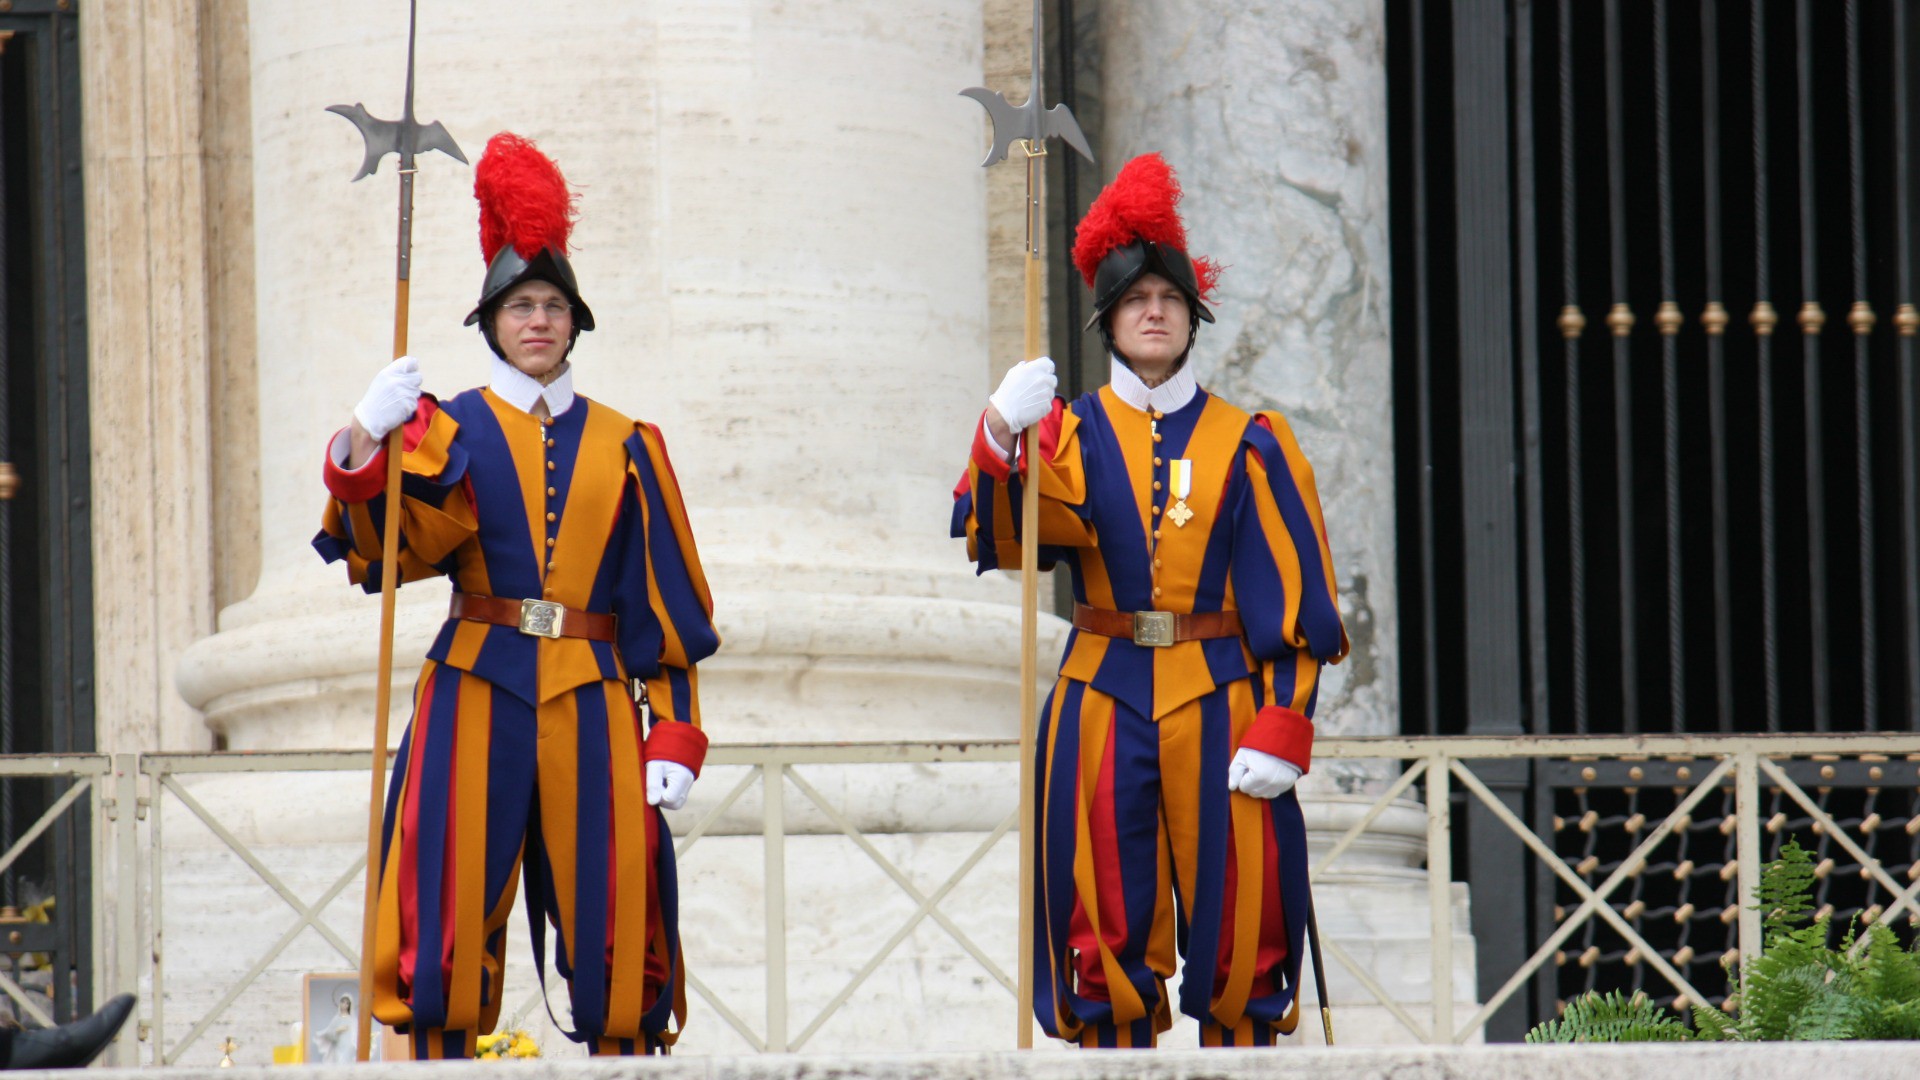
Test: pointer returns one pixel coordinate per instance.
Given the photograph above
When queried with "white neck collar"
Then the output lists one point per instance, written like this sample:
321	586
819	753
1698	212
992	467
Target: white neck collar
1169	396
522	391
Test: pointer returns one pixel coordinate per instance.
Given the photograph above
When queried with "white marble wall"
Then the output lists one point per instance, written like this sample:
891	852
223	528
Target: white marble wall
1274	115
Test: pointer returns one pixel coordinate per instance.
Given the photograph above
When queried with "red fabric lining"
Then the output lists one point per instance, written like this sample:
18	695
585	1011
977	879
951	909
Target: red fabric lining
676	741
370	479
1285	734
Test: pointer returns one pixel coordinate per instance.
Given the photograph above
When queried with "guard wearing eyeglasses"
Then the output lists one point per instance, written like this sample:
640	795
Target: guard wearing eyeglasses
574	577
1205	607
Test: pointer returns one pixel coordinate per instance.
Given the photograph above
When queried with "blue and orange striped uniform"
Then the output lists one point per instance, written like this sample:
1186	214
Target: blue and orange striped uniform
525	755
1142	849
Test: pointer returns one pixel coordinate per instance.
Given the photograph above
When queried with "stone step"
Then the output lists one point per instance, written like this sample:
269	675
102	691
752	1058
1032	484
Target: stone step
1696	1061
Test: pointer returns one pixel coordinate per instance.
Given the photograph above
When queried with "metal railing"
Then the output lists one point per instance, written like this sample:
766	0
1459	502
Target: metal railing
88	776
1443	767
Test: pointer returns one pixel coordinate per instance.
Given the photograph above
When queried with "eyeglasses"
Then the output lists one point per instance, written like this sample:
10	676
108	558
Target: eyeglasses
524	309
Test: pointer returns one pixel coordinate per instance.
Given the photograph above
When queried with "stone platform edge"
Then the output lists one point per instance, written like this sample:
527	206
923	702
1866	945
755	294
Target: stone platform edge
1695	1061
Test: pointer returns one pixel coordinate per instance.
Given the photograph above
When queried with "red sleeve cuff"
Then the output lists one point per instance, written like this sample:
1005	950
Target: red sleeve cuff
1283	733
986	455
676	741
356	485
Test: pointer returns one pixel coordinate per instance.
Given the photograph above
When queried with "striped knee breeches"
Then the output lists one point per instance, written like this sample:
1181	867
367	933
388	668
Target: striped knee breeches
1142	850
488	789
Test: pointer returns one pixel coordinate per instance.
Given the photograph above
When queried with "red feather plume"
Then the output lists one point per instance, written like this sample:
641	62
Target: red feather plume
524	200
1141	203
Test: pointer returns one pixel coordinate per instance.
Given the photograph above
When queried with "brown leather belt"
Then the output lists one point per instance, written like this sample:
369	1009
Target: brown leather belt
539	618
1158	629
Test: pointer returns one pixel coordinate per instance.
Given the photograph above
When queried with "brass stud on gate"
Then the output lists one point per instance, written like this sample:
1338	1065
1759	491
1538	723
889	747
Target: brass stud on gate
1907	318
1860	316
1714	320
1636	773
1827	772
1620	319
1589	773
1764	318
1669	319
1875	773
1571	322
1683	773
1812	318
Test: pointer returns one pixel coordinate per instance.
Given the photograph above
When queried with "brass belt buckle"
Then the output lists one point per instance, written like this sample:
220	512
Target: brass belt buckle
1153	628
541	618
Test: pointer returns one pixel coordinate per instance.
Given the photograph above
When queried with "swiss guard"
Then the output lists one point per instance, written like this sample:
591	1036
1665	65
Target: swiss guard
577	598
1204	608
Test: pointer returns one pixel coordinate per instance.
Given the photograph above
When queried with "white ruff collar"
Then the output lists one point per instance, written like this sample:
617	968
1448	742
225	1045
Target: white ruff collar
521	390
1169	396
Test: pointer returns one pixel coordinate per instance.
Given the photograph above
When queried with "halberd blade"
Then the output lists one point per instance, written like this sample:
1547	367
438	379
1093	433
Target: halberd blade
382	136
1005	119
1060	122
434	136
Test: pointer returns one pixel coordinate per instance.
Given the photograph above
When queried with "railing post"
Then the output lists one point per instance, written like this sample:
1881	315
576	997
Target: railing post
773	795
1440	892
1747	851
126	910
156	918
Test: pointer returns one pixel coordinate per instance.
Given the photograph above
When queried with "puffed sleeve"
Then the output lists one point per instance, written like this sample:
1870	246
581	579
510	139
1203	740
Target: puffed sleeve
1283	582
987	500
664	605
436	502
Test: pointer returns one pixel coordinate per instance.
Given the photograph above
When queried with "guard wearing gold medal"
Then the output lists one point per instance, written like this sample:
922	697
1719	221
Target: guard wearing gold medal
1182	714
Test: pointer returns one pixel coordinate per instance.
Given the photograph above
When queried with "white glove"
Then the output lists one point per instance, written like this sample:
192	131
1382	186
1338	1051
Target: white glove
391	398
668	783
1025	396
1260	774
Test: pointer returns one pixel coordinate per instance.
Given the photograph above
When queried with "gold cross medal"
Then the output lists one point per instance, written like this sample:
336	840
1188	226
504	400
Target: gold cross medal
1180	474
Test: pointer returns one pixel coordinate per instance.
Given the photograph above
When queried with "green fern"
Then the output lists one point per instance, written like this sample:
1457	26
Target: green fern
1612	1017
1785	895
1712	1025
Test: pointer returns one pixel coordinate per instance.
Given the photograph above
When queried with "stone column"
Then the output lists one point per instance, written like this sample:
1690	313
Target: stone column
782	235
147	355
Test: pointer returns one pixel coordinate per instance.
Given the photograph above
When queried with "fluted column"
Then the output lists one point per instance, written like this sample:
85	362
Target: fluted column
782	237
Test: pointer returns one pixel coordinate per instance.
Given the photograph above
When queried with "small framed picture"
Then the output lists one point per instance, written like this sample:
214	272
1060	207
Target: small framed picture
330	1018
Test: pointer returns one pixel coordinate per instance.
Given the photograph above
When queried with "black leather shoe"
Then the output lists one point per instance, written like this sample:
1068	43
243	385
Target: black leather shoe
69	1046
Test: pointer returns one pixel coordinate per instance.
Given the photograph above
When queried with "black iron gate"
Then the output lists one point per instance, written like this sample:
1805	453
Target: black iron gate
46	604
1654	360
